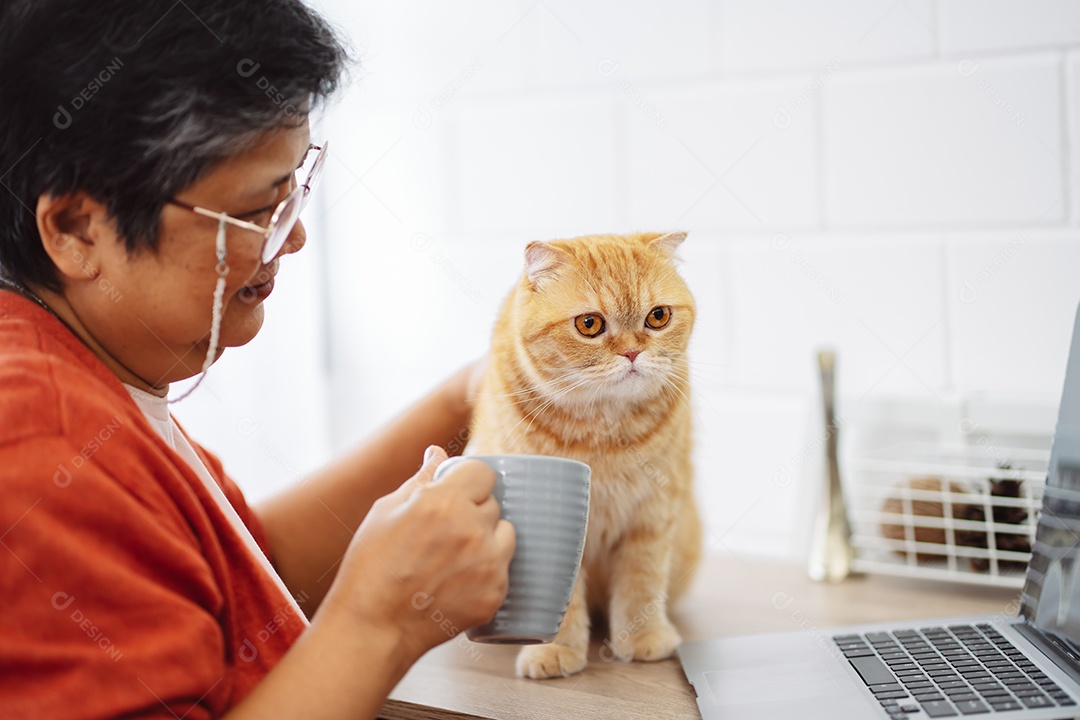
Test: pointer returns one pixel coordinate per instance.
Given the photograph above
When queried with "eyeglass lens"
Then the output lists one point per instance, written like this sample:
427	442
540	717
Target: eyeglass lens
289	212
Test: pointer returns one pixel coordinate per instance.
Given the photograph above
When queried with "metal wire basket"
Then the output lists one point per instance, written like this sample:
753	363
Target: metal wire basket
959	513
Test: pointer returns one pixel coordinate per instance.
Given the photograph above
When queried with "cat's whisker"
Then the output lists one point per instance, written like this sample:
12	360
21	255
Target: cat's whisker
592	398
676	376
714	382
685	398
719	380
534	413
701	400
725	366
540	387
540	397
719	384
531	385
532	392
532	416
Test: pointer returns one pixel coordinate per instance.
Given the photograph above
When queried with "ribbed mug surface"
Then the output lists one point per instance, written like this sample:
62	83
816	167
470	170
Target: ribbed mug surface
547	500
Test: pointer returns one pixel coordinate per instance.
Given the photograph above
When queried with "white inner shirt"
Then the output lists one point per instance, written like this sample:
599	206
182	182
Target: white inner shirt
156	411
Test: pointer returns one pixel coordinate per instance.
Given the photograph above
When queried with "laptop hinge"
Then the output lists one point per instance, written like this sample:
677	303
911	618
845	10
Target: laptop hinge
1059	651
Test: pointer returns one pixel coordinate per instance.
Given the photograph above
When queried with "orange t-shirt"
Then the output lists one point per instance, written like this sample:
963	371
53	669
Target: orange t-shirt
124	590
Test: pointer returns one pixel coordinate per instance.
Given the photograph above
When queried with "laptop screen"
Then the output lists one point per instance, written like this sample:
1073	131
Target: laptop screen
1051	596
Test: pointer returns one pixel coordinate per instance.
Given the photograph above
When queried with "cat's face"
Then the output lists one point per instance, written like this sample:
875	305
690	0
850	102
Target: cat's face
604	318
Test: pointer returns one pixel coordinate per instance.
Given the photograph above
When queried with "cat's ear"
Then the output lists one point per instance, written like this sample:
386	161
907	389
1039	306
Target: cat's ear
542	260
668	243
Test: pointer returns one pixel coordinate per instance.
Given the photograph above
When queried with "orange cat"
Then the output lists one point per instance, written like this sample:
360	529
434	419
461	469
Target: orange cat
588	361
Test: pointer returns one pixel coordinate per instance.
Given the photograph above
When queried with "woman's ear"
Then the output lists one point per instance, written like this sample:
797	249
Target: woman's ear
66	224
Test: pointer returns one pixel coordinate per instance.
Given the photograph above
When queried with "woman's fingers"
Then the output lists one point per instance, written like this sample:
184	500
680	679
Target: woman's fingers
490	511
433	457
505	539
473	478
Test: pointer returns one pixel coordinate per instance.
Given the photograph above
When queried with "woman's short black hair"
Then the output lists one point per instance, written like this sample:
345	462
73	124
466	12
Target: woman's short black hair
132	101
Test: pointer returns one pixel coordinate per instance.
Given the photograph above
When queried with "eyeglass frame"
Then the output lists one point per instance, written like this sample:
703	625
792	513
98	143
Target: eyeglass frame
266	232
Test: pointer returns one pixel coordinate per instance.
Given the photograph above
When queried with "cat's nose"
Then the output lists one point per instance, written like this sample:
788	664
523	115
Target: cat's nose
631	354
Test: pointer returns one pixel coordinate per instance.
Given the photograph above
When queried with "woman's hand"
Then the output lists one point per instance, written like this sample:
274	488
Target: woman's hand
305	522
430	560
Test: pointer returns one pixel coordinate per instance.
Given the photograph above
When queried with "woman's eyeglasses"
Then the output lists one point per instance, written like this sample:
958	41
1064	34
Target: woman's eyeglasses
285	214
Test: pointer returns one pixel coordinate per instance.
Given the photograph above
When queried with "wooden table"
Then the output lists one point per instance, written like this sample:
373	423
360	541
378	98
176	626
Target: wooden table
732	595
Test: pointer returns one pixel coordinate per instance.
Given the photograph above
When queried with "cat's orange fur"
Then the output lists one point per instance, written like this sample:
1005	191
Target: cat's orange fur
549	390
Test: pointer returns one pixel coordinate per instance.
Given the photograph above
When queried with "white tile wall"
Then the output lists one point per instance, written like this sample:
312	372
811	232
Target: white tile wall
580	43
388	163
413	52
943	144
876	302
546	167
1012	299
751	458
846	169
980	26
761	35
733	155
703	260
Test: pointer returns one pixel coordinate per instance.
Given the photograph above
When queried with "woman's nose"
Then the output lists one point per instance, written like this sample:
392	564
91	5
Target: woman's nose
296	240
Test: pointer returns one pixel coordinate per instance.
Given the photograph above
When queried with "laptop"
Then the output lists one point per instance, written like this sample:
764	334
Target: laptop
995	666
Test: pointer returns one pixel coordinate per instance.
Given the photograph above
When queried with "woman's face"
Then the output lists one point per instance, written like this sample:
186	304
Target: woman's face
152	311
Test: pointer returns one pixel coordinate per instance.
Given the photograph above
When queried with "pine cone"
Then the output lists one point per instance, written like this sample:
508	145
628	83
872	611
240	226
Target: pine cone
1013	542
930	508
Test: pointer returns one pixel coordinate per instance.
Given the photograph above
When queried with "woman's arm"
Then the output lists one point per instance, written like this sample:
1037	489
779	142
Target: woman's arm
429	560
336	669
310	525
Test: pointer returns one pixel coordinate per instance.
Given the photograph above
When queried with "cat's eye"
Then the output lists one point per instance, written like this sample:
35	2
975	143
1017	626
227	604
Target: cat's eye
658	317
589	325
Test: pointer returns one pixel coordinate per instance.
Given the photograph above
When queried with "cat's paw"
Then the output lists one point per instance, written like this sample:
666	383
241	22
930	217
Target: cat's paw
548	661
655	642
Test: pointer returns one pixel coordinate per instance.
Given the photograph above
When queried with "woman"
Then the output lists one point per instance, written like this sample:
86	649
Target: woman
156	156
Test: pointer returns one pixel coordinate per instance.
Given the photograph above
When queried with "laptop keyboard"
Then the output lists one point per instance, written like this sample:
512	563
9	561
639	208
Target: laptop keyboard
949	671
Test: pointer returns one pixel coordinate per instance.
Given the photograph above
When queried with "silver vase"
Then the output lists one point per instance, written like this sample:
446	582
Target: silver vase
831	553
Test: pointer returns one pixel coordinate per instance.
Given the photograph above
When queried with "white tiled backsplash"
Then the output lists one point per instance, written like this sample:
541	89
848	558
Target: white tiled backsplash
899	180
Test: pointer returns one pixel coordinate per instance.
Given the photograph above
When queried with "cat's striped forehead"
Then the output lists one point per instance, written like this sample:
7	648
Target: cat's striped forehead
619	273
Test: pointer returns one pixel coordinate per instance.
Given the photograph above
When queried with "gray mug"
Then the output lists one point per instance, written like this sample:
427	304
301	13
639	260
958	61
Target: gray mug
547	500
